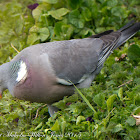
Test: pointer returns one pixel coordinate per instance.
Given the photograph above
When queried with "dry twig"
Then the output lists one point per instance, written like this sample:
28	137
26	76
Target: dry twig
37	112
14	48
137	118
125	83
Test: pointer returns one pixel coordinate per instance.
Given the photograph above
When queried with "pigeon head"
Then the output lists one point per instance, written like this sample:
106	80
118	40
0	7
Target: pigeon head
3	77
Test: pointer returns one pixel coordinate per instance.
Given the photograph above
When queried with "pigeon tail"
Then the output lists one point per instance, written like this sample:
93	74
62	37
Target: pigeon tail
127	32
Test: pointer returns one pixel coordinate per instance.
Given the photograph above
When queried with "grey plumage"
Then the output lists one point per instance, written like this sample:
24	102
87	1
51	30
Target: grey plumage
45	72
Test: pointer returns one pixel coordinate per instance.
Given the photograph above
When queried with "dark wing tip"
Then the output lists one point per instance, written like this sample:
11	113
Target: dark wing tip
101	34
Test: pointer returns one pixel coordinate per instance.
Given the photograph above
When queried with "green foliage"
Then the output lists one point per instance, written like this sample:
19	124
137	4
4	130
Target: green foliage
59	13
37	34
110	102
104	111
134	53
131	121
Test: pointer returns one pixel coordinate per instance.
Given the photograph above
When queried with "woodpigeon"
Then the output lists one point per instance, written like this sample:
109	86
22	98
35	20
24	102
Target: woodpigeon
46	72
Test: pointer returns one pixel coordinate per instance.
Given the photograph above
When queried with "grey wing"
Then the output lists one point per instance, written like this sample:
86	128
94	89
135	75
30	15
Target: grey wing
73	60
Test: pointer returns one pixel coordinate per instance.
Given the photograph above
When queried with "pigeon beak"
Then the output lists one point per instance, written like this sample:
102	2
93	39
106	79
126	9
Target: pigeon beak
0	96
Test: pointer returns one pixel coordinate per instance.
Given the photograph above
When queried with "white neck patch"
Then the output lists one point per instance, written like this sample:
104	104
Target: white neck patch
22	73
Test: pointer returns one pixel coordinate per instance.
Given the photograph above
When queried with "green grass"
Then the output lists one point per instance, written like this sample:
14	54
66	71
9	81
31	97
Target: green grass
105	109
